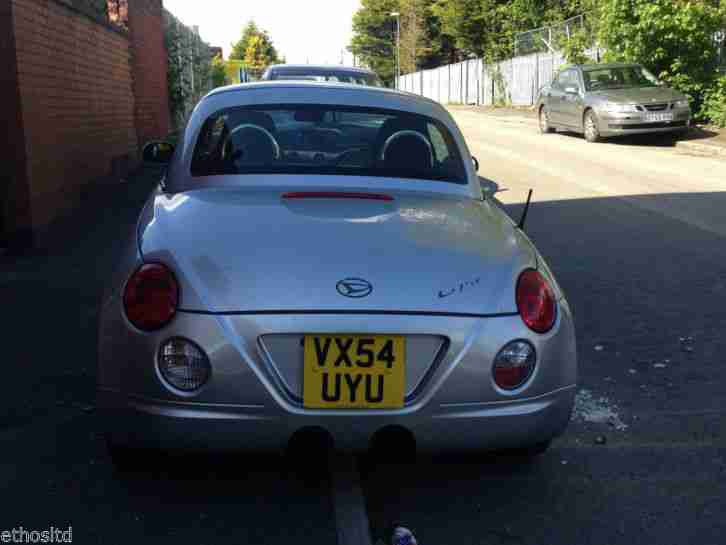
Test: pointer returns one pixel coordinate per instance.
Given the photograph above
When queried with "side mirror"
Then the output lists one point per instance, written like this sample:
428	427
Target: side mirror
572	90
476	163
157	152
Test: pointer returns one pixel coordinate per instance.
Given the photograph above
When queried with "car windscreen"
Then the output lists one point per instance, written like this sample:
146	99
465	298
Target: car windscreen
618	78
327	140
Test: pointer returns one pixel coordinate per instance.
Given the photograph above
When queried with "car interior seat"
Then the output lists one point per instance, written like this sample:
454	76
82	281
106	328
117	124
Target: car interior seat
403	143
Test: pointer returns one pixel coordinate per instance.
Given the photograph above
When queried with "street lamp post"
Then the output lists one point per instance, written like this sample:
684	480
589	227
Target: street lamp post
397	15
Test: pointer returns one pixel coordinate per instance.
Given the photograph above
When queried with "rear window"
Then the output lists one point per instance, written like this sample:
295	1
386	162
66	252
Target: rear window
327	140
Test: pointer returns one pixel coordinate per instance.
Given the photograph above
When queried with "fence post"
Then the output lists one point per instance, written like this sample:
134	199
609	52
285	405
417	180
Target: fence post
448	78
466	93
461	85
536	77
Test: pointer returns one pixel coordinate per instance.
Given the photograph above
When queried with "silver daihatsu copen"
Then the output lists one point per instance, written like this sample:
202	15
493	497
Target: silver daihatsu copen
323	256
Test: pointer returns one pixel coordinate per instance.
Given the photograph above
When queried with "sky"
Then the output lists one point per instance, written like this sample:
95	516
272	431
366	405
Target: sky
314	31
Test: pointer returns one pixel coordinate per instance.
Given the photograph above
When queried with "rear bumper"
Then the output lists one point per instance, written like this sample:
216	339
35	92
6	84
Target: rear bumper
134	421
246	404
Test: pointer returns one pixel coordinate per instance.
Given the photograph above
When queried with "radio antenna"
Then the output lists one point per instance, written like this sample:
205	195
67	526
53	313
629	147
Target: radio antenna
524	212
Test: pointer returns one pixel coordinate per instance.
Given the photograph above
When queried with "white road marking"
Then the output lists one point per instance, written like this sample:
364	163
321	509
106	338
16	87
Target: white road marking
351	517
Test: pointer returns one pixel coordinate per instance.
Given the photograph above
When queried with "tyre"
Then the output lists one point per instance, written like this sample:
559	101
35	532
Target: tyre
544	121
590	127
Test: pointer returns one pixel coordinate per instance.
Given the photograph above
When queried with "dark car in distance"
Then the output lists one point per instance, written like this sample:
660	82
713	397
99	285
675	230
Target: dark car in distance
310	72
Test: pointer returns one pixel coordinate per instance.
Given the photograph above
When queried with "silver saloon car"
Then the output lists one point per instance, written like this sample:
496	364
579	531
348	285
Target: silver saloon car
322	256
602	100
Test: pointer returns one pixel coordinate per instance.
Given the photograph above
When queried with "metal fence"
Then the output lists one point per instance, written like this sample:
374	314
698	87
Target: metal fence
550	38
515	81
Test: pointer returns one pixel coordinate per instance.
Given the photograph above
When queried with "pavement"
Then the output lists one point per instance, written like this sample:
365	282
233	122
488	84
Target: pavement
634	231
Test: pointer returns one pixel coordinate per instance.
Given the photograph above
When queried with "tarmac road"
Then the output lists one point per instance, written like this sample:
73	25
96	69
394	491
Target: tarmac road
636	234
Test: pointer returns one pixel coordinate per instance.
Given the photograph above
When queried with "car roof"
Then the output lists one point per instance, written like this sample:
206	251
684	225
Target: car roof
311	86
331	68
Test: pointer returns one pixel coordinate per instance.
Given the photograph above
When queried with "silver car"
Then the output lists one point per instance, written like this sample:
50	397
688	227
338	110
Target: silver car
601	100
323	256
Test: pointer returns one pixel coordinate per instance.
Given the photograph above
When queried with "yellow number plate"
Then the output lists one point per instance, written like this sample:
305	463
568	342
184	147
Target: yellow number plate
354	371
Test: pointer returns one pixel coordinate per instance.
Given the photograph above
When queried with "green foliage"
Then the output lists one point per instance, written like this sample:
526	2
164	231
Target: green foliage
574	49
189	67
218	72
486	28
258	55
374	36
714	103
672	38
263	53
423	43
240	46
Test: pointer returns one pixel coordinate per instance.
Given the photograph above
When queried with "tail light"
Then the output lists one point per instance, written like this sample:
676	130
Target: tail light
151	297
536	301
336	195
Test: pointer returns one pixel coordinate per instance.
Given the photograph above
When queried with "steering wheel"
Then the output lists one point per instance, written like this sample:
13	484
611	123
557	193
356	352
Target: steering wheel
244	150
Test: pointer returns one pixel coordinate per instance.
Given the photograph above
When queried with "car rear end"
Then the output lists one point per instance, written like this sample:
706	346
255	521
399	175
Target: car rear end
257	303
251	380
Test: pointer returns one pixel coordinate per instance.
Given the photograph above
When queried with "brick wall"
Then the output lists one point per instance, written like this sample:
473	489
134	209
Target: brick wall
77	104
145	21
78	97
14	199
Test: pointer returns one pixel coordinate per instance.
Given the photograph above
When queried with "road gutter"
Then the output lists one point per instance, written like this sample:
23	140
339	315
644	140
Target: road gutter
700	148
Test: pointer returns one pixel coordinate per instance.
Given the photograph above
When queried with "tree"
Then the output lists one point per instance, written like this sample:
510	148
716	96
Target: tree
259	55
672	38
264	48
423	45
240	46
218	72
374	36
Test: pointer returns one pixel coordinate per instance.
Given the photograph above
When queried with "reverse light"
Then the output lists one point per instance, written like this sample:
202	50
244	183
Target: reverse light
514	365
536	301
151	297
183	364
